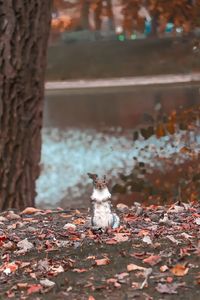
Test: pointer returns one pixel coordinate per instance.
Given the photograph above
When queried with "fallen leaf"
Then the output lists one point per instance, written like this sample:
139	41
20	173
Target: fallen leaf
179	270
135	285
30	211
117	285
147	239
47	283
121	237
143	232
43	265
133	267
22	285
102	261
34	288
80	270
197	221
91	257
111	241
121	276
185	235
79	221
69	226
166	288
169	279
8	246
2	238
173	240
91	298
138	255
3	219
164	268
111	280
57	270
152	260
24	245
122	207
12	216
10	268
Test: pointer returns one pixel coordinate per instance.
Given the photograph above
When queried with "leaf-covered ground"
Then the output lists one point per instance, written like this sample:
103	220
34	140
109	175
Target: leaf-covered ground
155	254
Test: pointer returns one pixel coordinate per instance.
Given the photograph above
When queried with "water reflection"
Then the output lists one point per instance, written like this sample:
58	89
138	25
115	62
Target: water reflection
92	131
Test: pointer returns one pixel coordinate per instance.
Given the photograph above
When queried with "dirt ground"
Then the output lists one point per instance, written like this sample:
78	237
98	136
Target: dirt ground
154	254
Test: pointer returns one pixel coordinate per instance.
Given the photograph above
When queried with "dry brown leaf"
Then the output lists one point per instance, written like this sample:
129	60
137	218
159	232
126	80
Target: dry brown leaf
121	237
152	260
102	261
22	285
30	211
111	280
133	267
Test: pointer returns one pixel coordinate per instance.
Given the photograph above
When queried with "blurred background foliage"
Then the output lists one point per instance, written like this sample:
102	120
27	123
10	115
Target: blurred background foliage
150	17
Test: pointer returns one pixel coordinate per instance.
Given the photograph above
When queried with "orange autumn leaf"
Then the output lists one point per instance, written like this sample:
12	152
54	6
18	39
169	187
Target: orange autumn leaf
179	270
8	268
185	150
171	127
160	131
79	221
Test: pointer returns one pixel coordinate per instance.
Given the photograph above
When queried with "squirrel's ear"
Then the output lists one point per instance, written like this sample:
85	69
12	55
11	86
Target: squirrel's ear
93	176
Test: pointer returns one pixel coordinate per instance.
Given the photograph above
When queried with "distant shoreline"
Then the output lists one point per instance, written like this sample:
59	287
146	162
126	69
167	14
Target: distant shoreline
123	82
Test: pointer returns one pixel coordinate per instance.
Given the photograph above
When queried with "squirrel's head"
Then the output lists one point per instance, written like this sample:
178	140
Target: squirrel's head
98	183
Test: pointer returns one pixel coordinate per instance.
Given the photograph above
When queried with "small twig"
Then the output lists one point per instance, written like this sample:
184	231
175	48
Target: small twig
147	273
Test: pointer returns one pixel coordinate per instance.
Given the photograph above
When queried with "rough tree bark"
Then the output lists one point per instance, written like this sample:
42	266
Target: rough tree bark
24	30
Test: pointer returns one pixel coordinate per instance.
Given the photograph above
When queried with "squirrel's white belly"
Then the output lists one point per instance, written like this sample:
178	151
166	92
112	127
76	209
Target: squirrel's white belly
102	215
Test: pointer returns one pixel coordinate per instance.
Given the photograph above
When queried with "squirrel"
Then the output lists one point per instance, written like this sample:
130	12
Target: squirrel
102	215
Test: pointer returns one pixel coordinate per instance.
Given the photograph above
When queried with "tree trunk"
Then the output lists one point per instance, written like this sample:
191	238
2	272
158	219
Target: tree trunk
24	30
85	6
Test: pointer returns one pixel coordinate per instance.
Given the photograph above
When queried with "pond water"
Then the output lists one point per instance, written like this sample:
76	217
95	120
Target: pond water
91	130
